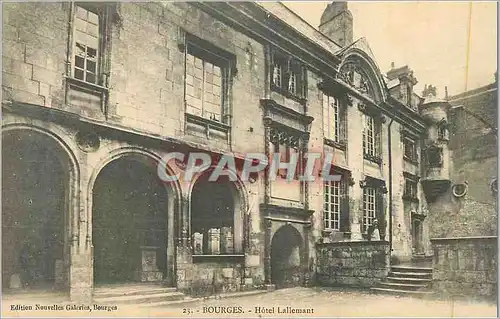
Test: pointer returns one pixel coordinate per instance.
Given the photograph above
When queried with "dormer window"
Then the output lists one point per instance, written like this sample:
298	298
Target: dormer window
288	77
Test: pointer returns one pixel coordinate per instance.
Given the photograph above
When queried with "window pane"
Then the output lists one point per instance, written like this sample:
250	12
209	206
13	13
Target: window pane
81	13
93	29
91	66
80	49
92	41
79	74
92	17
198	63
189	79
81	25
217	71
81	37
91	53
91	77
79	62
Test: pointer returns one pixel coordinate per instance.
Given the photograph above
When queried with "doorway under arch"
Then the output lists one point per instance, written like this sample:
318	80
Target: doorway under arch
129	222
35	201
286	255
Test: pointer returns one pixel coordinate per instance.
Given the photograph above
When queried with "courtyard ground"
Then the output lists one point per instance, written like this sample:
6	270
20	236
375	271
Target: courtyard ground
319	302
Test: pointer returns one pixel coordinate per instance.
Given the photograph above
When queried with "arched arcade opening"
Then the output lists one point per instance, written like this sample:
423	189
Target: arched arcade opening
130	224
36	190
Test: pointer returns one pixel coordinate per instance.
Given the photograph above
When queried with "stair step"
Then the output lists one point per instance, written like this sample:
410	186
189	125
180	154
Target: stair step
403	279
402	292
106	293
402	285
410	274
411	269
142	298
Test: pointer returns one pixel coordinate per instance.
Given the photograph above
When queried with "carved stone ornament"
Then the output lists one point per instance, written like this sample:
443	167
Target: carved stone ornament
384	189
351	181
88	141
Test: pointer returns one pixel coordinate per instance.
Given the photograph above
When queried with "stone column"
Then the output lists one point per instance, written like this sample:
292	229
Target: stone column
81	249
307	261
183	248
172	212
267	150
267	250
355	162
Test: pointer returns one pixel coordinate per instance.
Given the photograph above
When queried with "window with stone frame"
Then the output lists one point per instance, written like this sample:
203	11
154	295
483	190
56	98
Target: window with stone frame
286	143
334	121
371	138
410	188
410	149
336	203
369	211
89	25
207	85
87	74
288	76
373	205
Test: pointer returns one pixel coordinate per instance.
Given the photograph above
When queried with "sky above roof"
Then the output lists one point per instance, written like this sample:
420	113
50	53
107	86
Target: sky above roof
430	37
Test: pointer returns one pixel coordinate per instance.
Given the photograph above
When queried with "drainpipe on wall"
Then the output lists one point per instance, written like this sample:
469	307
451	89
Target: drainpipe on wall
390	186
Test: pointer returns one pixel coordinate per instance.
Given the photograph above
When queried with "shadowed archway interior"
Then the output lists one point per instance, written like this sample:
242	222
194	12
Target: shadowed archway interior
213	207
129	217
286	251
34	196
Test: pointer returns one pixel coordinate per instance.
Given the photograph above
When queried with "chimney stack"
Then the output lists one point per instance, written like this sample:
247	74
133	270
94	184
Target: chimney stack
336	23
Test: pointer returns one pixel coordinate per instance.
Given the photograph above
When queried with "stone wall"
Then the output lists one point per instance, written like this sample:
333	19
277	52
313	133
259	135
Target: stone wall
358	264
465	266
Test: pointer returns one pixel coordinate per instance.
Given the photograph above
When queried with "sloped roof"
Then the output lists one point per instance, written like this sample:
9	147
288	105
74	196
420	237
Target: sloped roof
285	14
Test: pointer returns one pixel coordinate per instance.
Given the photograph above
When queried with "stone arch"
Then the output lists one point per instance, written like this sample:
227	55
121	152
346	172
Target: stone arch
287	251
369	67
172	192
240	205
56	264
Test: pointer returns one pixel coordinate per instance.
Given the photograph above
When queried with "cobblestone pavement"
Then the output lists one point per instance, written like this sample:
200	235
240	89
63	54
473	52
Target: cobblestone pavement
319	302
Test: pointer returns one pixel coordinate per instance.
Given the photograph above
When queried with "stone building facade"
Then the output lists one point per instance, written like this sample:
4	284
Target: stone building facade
463	216
95	95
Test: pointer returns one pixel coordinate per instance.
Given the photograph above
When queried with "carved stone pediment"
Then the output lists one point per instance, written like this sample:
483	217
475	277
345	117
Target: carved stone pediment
275	113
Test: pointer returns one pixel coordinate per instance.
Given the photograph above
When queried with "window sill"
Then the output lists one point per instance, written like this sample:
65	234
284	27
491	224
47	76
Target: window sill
288	94
341	145
329	233
211	124
373	158
86	85
218	258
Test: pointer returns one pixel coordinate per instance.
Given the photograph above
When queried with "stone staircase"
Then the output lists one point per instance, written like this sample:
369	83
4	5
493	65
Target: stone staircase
407	280
139	294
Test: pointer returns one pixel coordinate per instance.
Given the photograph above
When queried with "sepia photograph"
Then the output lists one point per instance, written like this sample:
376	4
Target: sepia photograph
296	159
